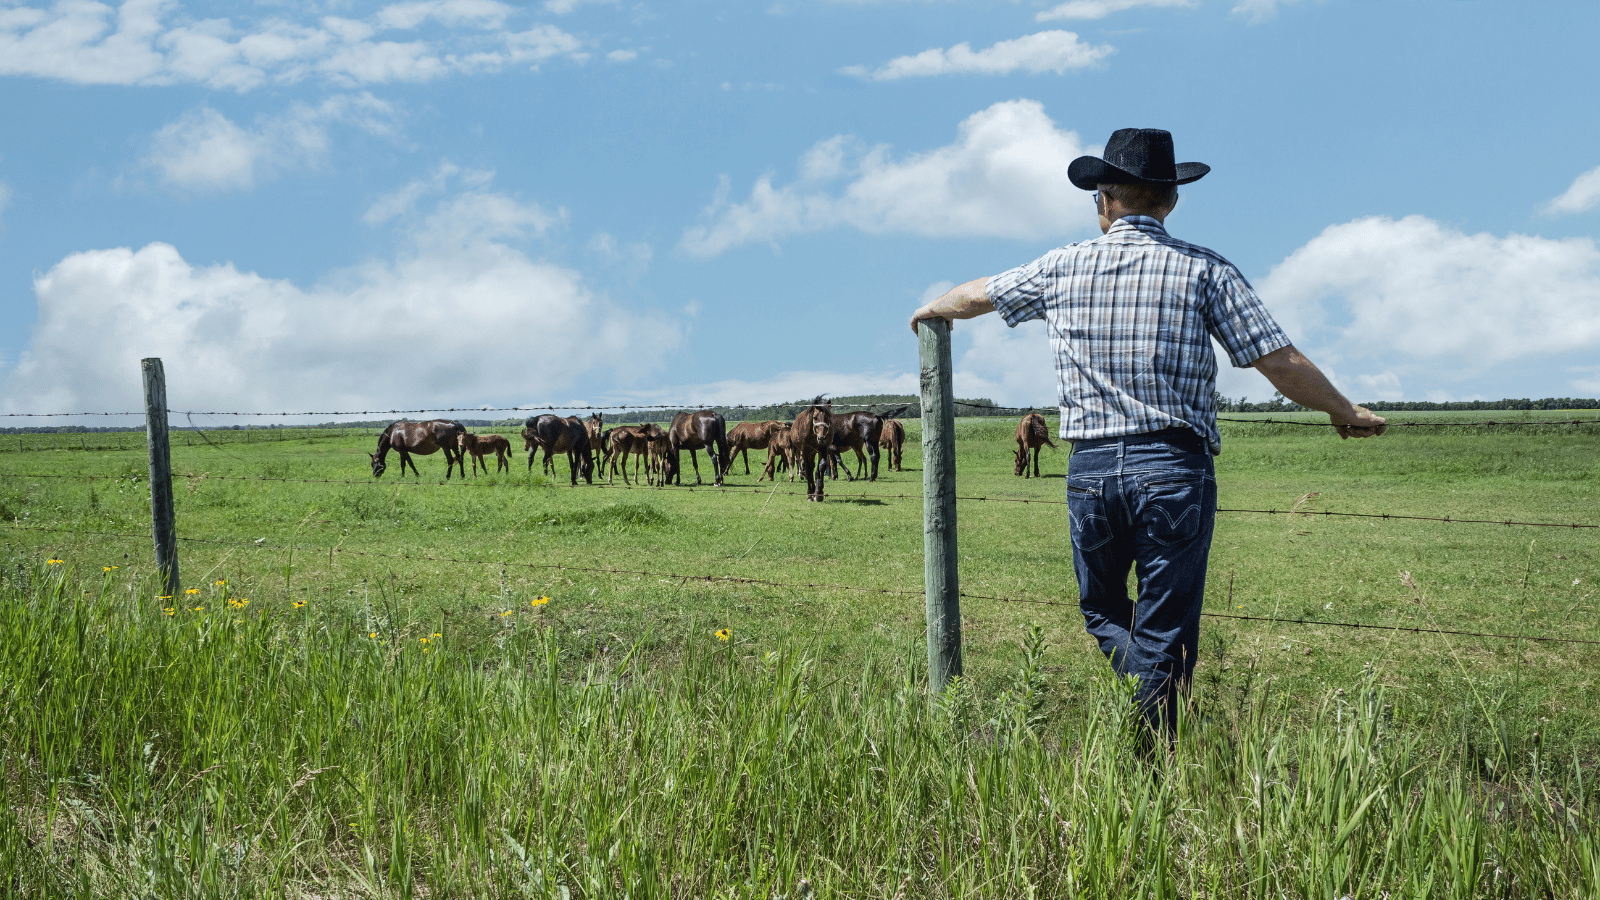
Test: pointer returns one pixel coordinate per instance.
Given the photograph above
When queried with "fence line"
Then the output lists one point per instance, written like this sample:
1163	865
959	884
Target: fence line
1451	520
738	579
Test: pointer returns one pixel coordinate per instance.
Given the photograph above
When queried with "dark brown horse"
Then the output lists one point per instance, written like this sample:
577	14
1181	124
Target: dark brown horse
622	442
893	442
422	439
558	435
860	431
480	445
747	436
1033	432
704	430
810	436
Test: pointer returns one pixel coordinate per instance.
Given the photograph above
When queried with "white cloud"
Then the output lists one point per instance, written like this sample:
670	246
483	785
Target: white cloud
1005	176
1415	292
1257	11
403	332
780	388
1099	9
1011	366
1047	51
204	150
562	7
1582	196
135	44
622	55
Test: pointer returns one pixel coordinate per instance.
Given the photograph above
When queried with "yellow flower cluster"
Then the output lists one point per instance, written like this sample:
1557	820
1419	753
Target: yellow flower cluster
109	568
54	562
238	604
192	591
170	610
724	634
539	601
220	582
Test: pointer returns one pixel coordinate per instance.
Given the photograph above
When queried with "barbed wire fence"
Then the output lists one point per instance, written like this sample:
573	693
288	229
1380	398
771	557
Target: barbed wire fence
127	440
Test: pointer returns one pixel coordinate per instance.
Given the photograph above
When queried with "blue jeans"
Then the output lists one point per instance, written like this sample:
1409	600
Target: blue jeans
1145	500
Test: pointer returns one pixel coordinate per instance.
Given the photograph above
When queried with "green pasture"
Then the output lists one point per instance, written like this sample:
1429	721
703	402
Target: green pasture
610	742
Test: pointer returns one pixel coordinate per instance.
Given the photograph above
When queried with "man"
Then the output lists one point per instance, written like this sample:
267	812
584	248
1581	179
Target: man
1131	316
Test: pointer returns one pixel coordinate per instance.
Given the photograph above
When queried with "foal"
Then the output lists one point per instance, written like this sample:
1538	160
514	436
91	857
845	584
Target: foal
481	445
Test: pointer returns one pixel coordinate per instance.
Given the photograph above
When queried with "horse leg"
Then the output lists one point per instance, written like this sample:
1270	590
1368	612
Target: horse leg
406	458
694	457
872	451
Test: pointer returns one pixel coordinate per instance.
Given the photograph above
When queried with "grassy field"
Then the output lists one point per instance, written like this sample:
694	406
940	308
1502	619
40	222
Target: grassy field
396	709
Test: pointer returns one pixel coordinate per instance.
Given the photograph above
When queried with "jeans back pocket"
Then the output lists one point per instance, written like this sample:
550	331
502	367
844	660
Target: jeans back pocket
1176	507
1086	505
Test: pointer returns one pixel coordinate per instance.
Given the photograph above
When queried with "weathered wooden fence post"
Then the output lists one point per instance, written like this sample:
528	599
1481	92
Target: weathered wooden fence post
162	519
939	504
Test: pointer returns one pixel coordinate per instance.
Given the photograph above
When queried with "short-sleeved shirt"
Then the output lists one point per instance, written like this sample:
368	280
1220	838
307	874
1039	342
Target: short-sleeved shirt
1131	315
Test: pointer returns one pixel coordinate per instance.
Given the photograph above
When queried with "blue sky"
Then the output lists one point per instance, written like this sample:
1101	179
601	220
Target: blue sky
344	205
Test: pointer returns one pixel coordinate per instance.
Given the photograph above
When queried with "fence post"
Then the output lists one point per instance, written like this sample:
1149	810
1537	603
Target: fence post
939	504
162	519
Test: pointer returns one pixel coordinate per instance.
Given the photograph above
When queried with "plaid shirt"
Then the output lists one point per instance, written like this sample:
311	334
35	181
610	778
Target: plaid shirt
1129	315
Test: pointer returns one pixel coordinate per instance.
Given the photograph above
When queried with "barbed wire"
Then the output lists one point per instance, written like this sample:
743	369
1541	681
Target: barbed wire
739	579
767	492
206	476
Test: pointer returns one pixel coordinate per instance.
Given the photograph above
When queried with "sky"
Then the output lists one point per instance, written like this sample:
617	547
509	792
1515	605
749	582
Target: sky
330	205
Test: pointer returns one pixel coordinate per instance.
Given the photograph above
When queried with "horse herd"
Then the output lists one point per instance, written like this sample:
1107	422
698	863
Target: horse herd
811	445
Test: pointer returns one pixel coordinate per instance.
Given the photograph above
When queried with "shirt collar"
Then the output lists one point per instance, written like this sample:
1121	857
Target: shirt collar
1138	223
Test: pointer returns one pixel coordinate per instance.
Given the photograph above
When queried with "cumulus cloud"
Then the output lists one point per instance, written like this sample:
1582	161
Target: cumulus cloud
562	7
204	150
1582	196
1047	51
1402	301
1257	11
1099	9
1005	176
461	322
147	42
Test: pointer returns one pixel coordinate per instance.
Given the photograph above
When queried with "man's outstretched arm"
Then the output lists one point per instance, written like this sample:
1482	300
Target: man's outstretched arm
1299	379
964	301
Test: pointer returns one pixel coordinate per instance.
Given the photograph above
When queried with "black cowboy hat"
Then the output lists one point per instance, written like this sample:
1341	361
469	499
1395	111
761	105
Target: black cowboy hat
1134	155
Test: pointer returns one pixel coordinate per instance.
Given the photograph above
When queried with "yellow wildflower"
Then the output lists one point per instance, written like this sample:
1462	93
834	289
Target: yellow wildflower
167	597
109	568
724	634
199	609
299	603
192	591
170	610
372	634
506	613
54	562
539	601
219	582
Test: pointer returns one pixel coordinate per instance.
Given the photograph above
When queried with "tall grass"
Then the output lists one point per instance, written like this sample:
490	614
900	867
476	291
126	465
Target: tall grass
152	749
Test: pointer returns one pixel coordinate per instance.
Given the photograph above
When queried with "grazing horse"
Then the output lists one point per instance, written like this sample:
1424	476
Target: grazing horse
857	431
421	438
480	445
1033	432
558	435
893	440
703	430
810	436
747	436
779	451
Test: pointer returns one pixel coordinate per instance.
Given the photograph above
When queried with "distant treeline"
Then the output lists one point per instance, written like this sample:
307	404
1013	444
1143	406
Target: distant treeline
1279	404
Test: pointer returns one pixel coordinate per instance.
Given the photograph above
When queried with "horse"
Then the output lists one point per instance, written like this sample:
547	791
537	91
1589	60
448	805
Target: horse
1033	432
703	430
893	440
625	441
778	452
481	445
810	436
857	431
558	435
747	436
421	438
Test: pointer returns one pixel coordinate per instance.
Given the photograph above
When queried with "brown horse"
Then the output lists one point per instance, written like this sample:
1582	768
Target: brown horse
810	436
1033	432
859	431
893	441
704	430
625	441
747	436
778	452
558	435
421	438
480	445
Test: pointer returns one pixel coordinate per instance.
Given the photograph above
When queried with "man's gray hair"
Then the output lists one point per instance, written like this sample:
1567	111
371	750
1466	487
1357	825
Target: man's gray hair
1142	196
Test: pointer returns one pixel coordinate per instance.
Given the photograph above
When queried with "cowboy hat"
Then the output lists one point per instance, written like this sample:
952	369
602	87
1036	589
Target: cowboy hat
1134	155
